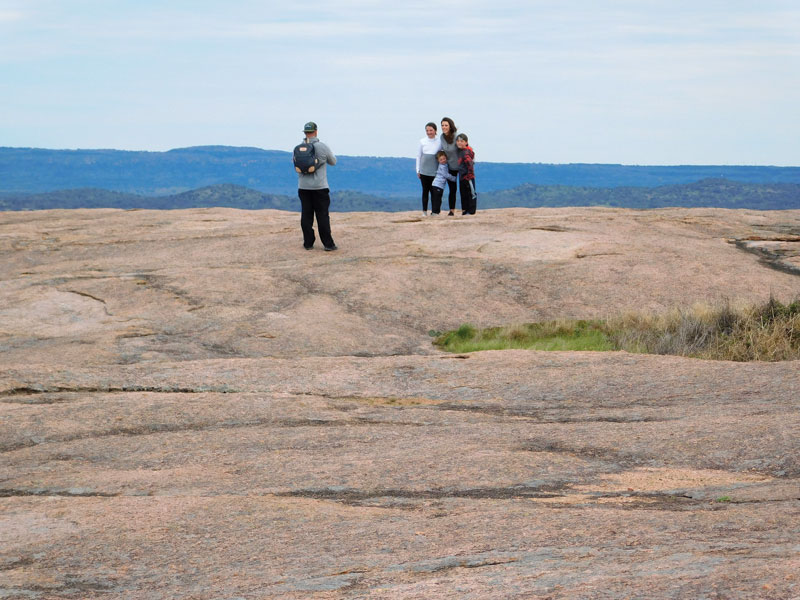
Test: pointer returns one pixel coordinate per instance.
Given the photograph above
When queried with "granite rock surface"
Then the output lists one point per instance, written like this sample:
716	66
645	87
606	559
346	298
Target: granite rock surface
193	406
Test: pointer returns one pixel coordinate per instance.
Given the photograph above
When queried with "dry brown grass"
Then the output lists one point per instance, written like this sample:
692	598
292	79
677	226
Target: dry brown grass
725	331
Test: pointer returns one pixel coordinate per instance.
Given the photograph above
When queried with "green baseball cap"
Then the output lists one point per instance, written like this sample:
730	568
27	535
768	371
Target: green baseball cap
309	127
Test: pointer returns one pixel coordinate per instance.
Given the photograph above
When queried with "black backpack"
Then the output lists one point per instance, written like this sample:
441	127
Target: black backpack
305	158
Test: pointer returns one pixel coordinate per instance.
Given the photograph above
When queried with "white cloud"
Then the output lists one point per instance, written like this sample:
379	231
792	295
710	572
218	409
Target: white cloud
11	16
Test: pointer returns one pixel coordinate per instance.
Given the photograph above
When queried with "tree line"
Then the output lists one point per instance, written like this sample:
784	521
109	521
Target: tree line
716	193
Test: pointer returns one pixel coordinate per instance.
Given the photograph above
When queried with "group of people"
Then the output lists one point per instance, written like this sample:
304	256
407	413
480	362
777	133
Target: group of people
446	159
442	160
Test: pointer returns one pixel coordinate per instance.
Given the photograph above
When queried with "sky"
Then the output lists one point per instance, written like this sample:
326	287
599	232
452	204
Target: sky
640	82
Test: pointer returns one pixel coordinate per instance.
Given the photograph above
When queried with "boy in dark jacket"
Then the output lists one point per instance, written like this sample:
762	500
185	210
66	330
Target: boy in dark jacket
466	173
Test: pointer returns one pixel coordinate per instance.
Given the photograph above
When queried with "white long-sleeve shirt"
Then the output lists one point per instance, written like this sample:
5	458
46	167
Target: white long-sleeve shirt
426	156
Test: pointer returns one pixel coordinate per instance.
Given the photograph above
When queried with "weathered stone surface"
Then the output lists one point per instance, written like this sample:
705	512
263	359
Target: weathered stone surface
193	406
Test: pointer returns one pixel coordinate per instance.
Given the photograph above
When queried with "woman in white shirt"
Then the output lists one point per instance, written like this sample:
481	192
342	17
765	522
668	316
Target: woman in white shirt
427	163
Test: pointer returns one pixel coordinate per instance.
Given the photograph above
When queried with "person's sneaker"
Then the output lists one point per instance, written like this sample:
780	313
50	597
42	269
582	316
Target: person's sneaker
331	248
464	212
308	247
433	214
450	214
424	213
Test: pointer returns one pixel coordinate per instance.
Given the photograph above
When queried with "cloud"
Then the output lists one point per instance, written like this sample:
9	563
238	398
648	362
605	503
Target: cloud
11	16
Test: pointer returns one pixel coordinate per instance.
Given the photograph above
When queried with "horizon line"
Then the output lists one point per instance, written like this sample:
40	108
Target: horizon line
287	152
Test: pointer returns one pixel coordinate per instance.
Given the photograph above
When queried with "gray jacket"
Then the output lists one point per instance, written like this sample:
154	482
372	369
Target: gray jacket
318	180
442	175
452	152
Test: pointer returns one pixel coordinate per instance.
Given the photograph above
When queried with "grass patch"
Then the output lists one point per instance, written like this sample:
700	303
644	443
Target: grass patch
551	335
764	332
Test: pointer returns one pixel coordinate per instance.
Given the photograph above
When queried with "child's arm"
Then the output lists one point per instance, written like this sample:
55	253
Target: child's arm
444	171
463	165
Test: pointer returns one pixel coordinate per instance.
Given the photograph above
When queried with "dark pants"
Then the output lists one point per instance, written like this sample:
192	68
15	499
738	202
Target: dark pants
315	203
452	186
436	199
469	196
427	181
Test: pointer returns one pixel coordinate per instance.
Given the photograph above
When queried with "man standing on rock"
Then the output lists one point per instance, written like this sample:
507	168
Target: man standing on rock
312	187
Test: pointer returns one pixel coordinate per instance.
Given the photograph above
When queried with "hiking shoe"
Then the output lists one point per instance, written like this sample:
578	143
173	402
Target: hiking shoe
331	248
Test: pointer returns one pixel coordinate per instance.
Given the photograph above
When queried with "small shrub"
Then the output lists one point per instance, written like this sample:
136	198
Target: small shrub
465	332
725	319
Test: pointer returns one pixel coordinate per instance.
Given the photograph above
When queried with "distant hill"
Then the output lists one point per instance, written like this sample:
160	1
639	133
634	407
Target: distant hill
34	170
233	196
719	193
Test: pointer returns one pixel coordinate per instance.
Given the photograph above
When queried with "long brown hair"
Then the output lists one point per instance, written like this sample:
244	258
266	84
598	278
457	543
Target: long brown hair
451	136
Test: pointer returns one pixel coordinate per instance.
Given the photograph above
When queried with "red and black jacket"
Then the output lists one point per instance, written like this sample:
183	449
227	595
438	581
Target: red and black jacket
466	164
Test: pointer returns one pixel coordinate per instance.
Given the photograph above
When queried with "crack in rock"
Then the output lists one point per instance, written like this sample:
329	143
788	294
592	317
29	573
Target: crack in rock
63	493
536	416
16	563
620	459
95	298
456	562
69	588
6	395
354	496
159	428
